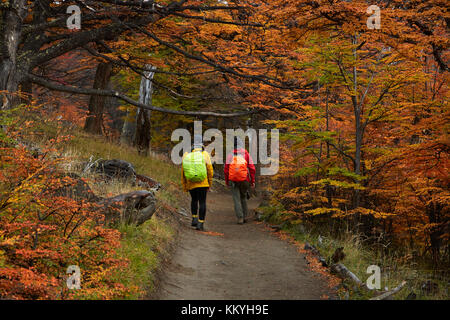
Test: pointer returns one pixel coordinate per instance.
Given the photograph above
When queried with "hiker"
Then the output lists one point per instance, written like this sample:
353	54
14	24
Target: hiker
240	172
196	177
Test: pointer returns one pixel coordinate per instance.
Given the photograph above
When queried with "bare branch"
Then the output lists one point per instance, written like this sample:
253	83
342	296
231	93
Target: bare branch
118	95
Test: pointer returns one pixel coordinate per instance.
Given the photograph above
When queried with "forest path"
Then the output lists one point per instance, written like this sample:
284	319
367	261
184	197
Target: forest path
246	262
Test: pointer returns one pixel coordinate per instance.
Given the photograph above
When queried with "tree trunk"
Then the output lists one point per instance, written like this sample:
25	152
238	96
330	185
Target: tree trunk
94	120
129	127
327	116
358	146
358	126
11	25
143	135
9	84
143	122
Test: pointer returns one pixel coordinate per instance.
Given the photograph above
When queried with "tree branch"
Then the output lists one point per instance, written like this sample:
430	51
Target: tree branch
118	95
263	79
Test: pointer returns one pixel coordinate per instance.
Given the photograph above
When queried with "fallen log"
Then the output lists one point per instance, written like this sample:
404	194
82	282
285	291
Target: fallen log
134	207
112	169
147	182
390	293
120	169
342	271
335	267
311	248
345	273
316	252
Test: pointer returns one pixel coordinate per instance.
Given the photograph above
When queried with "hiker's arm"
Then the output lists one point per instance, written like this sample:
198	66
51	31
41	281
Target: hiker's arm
251	168
183	180
209	168
226	168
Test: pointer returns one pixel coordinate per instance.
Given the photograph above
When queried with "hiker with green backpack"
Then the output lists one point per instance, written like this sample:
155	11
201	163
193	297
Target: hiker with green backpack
196	177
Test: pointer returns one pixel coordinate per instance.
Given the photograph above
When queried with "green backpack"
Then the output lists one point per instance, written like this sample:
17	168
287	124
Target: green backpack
194	167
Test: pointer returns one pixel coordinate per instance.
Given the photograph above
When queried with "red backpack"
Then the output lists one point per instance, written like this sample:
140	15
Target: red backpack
238	168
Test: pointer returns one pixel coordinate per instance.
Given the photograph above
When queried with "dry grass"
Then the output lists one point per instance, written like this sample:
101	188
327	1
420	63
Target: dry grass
396	266
146	245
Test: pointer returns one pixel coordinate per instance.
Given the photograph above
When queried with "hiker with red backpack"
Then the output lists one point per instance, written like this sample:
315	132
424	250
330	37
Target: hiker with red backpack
196	177
240	173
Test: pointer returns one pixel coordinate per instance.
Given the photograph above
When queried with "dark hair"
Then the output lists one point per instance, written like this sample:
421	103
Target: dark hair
238	143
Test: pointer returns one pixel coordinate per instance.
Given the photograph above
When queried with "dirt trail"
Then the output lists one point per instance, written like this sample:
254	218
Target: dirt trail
247	262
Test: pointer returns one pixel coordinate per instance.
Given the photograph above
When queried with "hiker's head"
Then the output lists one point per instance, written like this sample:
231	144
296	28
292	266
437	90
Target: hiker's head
238	143
198	141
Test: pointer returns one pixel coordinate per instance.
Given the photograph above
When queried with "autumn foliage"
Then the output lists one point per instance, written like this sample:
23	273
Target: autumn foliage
367	148
43	230
363	115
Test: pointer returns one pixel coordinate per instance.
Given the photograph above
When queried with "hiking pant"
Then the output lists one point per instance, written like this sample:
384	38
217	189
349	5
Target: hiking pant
198	203
239	191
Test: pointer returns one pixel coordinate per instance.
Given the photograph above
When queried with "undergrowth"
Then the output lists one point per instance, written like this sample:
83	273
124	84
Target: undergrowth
144	246
396	265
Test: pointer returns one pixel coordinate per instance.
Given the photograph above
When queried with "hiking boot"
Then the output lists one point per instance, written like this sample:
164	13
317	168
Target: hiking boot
200	226
240	221
194	222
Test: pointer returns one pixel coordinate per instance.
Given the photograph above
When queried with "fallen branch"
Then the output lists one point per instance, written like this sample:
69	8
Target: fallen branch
390	293
316	252
134	207
345	273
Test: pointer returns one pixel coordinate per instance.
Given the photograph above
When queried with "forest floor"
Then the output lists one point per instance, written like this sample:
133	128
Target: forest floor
236	262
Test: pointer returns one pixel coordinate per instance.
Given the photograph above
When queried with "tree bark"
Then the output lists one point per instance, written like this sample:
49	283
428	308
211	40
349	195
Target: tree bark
358	127
143	134
12	19
129	127
9	84
143	118
134	207
327	128
388	294
94	120
344	273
